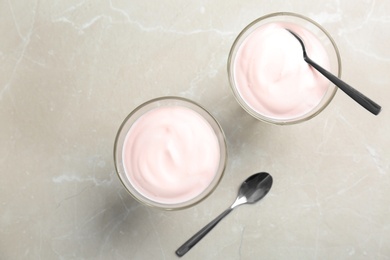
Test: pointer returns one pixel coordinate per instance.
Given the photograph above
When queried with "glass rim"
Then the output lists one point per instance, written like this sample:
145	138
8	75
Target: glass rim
118	146
242	102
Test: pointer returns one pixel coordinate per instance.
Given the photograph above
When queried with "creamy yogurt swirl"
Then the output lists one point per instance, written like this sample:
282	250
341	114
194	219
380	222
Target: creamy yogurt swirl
171	154
271	75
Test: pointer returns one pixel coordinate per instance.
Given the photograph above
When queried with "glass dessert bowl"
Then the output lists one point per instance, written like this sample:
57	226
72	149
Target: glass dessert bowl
268	75
170	153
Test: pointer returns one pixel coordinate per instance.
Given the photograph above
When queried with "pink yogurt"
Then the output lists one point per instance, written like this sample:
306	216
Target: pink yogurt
271	75
171	154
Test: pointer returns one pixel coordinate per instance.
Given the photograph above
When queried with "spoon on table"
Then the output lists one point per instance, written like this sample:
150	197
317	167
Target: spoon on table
350	91
252	190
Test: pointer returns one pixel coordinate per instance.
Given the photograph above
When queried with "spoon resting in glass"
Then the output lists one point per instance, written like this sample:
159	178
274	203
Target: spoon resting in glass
252	190
350	91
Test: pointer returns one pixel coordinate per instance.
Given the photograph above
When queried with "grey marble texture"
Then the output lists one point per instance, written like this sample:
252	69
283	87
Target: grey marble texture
70	72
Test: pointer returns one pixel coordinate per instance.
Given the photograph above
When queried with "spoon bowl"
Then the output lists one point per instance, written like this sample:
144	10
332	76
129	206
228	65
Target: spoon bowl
251	190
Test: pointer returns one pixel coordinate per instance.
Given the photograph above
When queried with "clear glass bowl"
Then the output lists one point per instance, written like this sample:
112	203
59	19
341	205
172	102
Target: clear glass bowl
134	116
308	24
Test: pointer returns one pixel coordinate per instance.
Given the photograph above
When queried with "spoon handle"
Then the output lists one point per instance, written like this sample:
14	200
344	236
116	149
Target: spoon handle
350	91
201	233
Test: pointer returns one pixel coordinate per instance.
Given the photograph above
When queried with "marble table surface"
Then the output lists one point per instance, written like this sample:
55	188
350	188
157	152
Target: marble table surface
70	72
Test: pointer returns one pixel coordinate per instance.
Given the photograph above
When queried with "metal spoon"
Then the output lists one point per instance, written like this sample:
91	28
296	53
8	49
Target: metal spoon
252	190
350	91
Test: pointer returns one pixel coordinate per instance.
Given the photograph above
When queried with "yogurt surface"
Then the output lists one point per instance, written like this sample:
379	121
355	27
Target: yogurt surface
171	154
271	75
